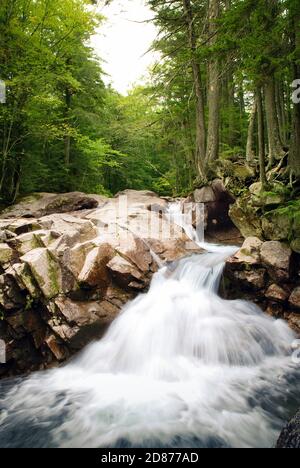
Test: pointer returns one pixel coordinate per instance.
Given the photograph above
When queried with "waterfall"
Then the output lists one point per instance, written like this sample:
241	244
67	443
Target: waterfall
180	367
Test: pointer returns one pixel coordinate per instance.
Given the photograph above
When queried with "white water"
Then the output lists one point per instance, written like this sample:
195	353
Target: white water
180	367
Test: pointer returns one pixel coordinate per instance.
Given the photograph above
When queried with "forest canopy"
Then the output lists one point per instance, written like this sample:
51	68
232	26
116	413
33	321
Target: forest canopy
220	95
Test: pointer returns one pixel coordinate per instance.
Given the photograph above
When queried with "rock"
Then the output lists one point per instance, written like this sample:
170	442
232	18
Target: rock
277	293
11	298
6	254
253	280
246	217
85	320
294	322
43	204
276	310
249	253
94	271
267	198
70	274
294	299
125	274
290	436
46	271
25	280
278	257
58	350
295	245
276	226
205	195
33	240
217	201
20	226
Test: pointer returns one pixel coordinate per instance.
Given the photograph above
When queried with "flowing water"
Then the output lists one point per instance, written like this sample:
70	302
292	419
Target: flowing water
180	367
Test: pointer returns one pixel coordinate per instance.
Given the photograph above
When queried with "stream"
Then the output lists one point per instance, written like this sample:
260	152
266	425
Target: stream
179	368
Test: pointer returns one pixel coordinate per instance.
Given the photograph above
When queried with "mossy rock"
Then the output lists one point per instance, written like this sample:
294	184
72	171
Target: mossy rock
273	197
295	245
276	226
246	218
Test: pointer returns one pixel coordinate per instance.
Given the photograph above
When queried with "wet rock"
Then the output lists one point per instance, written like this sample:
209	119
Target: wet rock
274	309
290	436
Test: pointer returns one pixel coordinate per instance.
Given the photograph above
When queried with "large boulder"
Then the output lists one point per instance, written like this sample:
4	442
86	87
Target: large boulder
277	256
42	204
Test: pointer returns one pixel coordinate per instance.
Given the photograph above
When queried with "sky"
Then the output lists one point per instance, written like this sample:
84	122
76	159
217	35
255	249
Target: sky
123	42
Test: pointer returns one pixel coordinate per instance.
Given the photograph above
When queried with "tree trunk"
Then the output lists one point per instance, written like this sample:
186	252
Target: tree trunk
67	139
200	114
274	142
295	140
250	154
214	87
280	102
261	139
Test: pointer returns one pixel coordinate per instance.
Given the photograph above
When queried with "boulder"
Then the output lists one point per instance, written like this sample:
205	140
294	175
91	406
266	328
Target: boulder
205	195
294	299
254	280
94	271
248	254
82	321
246	217
278	257
126	274
277	293
294	322
42	204
46	271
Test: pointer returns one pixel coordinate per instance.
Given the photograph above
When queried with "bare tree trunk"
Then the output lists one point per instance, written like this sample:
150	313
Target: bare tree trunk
250	154
274	142
261	138
214	87
200	115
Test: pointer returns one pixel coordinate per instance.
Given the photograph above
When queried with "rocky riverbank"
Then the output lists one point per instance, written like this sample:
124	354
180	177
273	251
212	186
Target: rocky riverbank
68	265
267	273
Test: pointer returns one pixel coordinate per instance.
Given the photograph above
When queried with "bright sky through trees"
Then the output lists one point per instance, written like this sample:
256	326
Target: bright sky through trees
123	42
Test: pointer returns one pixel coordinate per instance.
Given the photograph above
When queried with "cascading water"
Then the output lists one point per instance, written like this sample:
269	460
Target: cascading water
180	367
